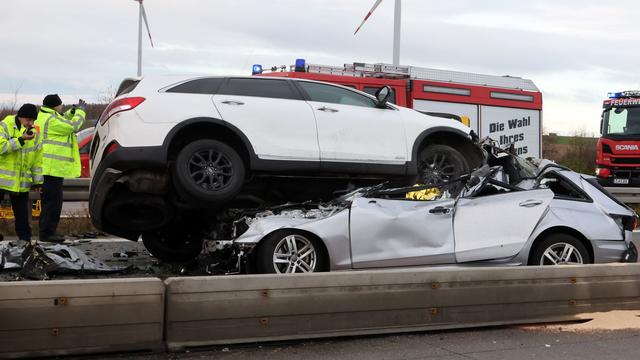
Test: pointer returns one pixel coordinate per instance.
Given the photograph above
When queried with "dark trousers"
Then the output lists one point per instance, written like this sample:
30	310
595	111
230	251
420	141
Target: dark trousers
51	205
20	205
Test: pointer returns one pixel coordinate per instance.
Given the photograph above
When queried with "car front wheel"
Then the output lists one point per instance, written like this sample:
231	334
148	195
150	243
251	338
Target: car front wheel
209	172
560	249
289	252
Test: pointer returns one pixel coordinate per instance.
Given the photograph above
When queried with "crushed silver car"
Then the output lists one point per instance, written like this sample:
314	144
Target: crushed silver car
511	211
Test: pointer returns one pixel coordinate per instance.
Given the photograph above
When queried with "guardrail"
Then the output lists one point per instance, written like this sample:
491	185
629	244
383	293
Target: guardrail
53	318
222	310
107	315
73	190
629	195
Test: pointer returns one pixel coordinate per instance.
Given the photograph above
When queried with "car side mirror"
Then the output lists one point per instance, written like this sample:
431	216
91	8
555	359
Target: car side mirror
382	96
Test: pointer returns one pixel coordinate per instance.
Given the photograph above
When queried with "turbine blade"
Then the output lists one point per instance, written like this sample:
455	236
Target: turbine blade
375	5
146	23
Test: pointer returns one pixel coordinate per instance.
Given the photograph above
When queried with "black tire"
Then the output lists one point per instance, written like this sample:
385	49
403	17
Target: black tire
556	243
264	255
138	212
208	172
171	245
438	164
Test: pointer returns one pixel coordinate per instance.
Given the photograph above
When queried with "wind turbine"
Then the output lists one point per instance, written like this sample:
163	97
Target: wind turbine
142	16
396	28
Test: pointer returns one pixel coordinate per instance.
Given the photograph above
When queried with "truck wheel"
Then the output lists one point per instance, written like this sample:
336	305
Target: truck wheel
172	246
289	252
209	171
438	164
560	249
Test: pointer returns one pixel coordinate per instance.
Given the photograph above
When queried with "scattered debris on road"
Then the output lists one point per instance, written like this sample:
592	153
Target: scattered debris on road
39	261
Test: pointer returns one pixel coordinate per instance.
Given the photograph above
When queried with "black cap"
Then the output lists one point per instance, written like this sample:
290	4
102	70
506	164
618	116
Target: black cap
52	101
28	111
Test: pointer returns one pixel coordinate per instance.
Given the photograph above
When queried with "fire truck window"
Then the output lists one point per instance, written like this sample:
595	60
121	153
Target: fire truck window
372	91
269	88
622	121
198	86
333	94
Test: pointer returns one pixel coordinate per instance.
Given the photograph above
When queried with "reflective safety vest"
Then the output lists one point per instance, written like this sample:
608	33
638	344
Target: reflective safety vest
60	155
19	167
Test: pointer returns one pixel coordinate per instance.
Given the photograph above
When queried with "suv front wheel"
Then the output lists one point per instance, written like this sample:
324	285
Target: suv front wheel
208	172
439	164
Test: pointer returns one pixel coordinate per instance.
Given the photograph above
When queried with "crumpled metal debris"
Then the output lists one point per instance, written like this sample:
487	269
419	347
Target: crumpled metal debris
38	261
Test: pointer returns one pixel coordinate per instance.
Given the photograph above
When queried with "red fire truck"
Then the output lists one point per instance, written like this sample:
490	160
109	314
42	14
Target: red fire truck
507	109
618	149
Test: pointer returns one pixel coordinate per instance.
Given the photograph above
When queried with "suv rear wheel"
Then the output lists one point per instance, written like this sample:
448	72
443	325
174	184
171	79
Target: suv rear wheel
208	171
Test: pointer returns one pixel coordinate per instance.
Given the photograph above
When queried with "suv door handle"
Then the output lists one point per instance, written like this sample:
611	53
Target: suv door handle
233	102
530	203
440	210
326	109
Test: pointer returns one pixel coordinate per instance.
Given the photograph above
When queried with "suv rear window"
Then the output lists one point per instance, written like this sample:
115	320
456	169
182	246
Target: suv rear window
280	89
198	86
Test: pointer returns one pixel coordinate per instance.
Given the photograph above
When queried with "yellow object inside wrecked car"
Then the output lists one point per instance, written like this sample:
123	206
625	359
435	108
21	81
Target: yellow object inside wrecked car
424	194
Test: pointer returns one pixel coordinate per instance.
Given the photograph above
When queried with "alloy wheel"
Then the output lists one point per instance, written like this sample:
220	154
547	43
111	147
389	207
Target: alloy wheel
294	254
561	254
210	169
437	169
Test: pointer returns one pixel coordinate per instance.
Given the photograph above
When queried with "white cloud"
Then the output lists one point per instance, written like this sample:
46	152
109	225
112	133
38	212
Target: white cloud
576	51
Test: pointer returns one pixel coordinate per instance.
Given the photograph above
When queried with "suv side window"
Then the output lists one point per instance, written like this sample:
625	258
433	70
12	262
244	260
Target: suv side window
270	88
198	86
335	95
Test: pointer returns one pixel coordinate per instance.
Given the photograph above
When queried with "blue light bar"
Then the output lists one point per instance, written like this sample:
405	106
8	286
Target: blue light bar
300	65
614	95
256	69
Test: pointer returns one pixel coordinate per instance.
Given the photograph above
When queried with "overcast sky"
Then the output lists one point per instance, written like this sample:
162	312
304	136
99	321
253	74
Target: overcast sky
574	50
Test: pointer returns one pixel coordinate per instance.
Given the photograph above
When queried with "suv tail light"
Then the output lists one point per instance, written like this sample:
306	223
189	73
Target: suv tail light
629	223
120	105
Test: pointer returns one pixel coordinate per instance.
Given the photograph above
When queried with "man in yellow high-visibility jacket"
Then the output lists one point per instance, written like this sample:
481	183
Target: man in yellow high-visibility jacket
19	170
60	159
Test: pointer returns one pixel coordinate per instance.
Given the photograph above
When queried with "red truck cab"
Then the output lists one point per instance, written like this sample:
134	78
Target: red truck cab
618	149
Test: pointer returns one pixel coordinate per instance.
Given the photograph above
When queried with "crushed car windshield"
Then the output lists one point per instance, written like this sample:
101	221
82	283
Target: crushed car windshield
621	121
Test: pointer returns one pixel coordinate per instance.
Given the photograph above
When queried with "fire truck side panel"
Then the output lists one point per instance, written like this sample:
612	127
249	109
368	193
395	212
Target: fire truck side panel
472	94
511	125
469	110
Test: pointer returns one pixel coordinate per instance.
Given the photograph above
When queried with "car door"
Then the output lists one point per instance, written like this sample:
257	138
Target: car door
497	226
385	233
352	129
272	114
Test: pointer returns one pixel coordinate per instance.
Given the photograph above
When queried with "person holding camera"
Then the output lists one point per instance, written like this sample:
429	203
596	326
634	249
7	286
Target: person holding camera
59	157
19	170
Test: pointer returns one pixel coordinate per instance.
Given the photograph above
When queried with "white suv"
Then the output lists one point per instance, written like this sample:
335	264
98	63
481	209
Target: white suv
170	152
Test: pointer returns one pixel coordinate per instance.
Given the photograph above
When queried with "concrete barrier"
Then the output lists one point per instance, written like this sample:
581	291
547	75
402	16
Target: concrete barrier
49	318
222	310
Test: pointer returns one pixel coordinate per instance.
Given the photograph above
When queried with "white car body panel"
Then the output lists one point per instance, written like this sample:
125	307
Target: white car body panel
291	121
352	133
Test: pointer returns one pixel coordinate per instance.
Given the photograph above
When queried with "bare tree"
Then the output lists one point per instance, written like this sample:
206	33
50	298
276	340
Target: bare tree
107	95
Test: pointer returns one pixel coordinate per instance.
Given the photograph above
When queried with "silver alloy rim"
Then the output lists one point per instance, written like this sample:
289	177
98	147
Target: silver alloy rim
561	254
294	254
